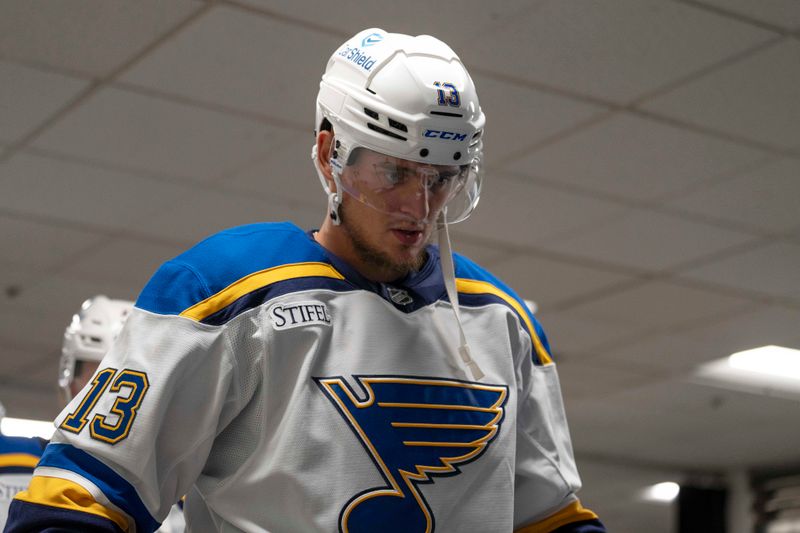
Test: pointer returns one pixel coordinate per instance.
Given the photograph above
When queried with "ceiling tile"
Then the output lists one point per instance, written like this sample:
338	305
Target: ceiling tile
283	174
15	361
767	198
549	282
142	132
129	261
203	213
28	97
518	117
755	98
40	247
33	331
253	63
579	335
526	213
673	352
649	240
685	424
55	298
414	17
667	159
782	13
92	36
771	269
14	278
81	193
616	51
685	350
660	305
586	378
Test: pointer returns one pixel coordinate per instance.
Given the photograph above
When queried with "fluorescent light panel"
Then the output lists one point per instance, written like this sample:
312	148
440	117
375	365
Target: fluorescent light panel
769	370
22	427
771	360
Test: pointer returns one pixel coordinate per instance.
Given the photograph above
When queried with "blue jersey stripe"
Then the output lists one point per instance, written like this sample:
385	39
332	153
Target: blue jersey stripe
114	487
30	445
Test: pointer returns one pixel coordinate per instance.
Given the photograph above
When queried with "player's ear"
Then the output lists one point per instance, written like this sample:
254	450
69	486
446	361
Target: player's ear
324	153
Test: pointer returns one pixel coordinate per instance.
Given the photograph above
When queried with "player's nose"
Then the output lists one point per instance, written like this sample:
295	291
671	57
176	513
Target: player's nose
414	197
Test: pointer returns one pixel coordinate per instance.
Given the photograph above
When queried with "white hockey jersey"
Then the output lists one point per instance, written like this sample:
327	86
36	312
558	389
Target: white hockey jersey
282	392
18	457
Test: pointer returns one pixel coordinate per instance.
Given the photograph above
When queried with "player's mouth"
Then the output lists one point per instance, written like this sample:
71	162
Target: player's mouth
408	237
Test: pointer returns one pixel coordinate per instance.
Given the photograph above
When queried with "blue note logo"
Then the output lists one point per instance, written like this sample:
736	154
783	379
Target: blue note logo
413	429
372	38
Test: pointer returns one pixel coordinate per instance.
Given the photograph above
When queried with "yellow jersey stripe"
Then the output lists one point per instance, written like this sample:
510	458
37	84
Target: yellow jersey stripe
64	494
255	281
573	512
471	286
18	459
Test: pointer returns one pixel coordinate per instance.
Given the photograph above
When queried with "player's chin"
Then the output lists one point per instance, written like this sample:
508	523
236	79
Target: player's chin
409	258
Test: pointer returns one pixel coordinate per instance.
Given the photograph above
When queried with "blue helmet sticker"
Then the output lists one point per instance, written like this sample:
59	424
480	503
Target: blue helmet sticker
372	38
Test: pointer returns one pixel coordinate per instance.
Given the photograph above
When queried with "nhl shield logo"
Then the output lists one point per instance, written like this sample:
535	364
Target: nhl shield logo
399	296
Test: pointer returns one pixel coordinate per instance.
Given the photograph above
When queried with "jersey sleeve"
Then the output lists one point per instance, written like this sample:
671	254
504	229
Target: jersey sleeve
546	479
136	438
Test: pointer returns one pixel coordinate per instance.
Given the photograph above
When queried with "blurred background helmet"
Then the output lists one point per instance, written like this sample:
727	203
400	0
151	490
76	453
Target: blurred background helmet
90	334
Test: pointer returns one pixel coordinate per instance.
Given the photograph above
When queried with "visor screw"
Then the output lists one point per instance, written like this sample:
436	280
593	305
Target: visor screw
423	152
338	144
335	154
457	156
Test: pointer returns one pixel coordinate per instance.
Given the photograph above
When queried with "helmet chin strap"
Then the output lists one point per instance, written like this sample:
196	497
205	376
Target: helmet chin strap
464	358
334	202
334	198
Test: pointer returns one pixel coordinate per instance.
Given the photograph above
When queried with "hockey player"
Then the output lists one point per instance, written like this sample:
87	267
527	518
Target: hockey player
18	457
87	339
352	379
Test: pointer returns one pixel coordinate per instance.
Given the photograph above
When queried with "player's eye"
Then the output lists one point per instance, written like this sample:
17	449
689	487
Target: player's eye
441	181
392	175
446	177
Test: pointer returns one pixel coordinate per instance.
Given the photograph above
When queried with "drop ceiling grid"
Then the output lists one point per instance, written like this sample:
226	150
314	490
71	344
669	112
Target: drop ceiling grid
538	112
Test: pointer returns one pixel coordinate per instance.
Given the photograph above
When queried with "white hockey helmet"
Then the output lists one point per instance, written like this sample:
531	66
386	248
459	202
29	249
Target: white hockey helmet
90	335
405	97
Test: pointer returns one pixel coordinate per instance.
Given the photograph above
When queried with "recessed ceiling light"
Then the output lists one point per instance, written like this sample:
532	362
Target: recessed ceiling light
662	492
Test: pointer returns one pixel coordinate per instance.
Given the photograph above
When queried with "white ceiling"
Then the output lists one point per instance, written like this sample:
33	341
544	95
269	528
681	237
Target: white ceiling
643	187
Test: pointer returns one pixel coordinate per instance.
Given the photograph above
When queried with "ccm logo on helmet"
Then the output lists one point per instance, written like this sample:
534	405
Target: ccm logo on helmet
449	135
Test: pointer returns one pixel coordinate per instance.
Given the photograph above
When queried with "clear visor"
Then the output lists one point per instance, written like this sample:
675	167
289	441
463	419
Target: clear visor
417	191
